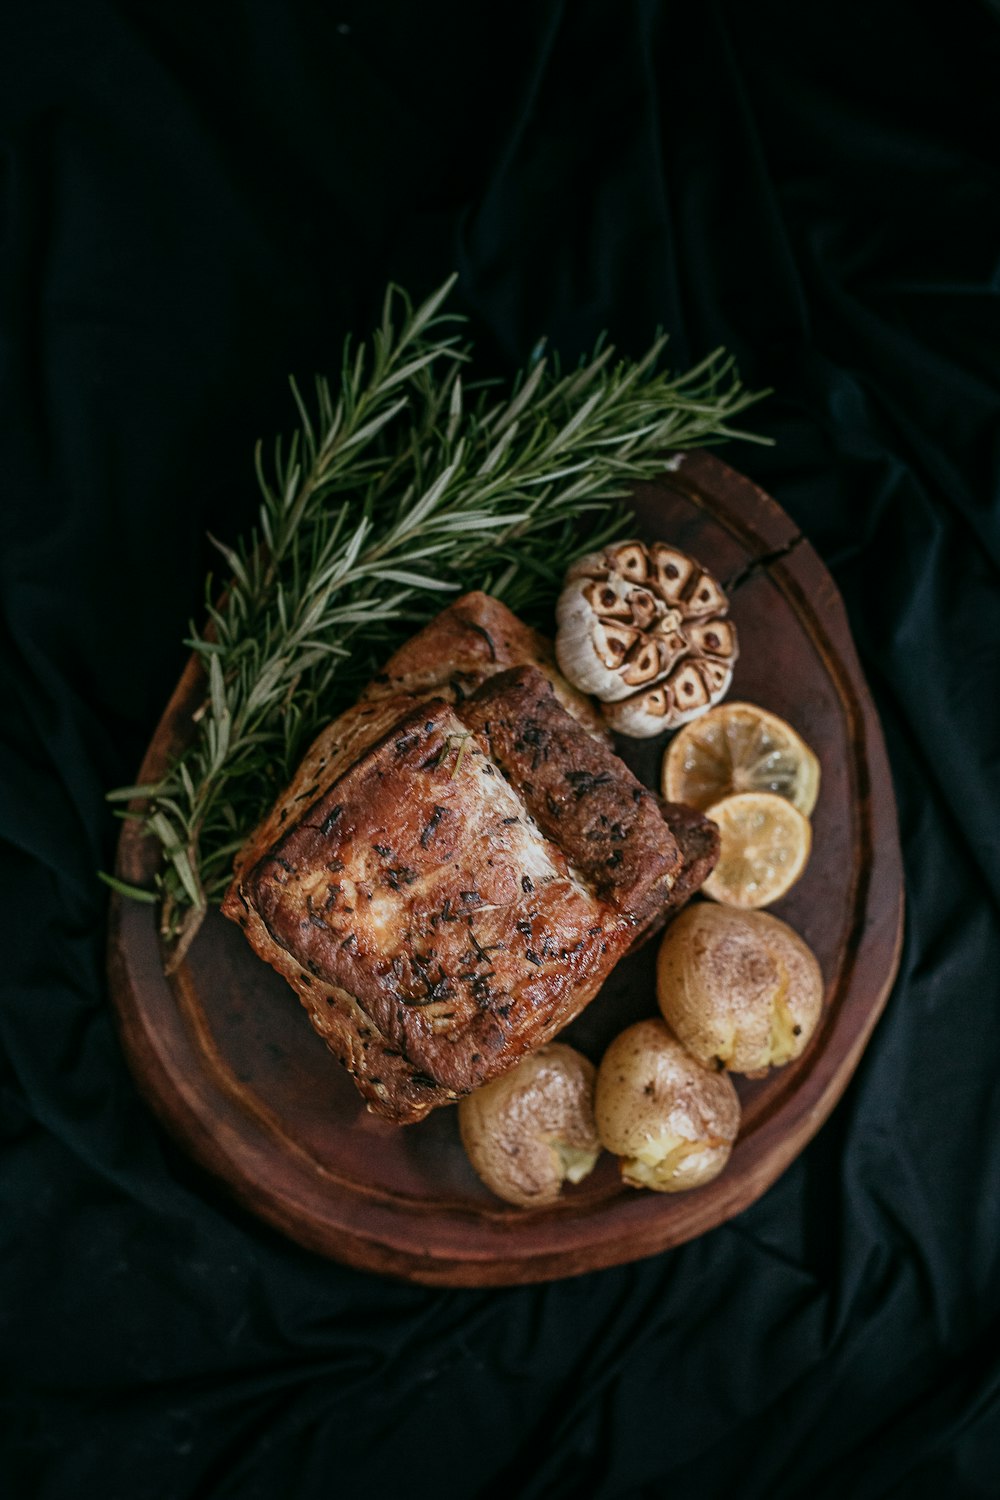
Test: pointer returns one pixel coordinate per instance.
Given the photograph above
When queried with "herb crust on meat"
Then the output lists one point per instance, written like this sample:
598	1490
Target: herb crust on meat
452	885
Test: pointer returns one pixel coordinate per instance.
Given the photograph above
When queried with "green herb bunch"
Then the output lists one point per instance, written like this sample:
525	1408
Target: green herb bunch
401	488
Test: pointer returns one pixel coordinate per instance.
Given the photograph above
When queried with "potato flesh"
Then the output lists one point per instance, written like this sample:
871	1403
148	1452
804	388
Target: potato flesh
574	1163
782	1042
666	1163
671	1121
741	989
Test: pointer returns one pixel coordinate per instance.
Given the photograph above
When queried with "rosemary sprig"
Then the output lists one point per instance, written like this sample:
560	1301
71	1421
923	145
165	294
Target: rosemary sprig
401	490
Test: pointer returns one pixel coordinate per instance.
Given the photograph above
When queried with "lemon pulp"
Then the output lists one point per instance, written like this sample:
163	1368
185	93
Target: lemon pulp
738	747
765	843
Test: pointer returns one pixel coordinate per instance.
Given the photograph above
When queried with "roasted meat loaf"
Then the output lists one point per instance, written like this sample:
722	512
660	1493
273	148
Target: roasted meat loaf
452	890
473	639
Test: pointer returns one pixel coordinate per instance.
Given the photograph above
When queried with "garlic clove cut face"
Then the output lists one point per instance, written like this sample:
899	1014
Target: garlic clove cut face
683	696
644	628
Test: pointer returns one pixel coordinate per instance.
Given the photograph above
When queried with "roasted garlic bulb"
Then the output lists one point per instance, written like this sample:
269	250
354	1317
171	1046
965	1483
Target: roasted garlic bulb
644	629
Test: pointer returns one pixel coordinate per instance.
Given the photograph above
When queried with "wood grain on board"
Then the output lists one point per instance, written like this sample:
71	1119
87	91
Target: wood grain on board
226	1057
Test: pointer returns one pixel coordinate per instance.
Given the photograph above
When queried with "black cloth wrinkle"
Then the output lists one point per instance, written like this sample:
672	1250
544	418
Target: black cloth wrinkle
198	201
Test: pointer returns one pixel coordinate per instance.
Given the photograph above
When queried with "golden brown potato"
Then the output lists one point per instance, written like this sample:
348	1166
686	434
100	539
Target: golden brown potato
532	1129
740	989
670	1120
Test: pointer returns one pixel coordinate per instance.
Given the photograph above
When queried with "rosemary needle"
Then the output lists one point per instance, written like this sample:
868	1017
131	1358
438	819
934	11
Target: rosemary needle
399	489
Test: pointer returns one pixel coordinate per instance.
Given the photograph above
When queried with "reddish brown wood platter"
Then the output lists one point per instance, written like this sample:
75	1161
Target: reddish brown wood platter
226	1057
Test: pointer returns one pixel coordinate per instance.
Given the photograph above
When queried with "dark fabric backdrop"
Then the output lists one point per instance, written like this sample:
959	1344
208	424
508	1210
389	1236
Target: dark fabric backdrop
199	199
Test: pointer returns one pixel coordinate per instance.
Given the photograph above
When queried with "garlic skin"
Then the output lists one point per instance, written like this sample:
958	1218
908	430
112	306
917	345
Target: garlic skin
670	1120
590	651
643	628
662	707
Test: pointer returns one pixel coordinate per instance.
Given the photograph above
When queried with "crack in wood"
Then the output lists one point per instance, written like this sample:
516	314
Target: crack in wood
756	564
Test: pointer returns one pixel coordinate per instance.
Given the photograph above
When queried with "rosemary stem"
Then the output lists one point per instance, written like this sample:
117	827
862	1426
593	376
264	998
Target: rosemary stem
404	488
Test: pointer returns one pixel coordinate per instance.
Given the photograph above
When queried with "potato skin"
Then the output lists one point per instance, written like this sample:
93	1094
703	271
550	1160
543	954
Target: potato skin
530	1130
670	1120
740	989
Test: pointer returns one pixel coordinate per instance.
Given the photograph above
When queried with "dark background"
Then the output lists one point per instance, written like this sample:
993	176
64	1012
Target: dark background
199	199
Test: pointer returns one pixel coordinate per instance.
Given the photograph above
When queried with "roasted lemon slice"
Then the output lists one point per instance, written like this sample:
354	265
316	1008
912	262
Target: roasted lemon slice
738	747
765	843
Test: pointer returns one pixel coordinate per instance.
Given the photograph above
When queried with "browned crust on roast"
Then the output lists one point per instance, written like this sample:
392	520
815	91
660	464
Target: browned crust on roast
473	639
400	905
698	840
583	798
470	641
458	863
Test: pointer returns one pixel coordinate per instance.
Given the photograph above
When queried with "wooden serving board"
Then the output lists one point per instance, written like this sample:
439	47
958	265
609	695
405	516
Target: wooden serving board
226	1057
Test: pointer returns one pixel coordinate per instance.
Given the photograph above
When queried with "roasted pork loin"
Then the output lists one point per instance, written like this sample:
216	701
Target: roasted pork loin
457	866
